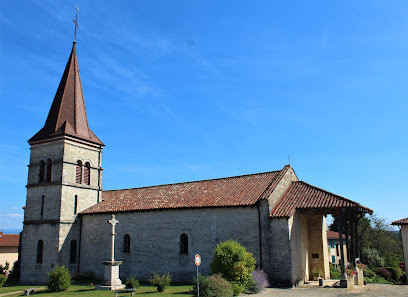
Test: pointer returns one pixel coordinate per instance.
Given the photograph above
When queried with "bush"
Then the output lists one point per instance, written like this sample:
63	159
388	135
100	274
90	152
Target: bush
3	280
251	287
368	272
204	286
334	273
132	283
391	274
385	273
371	257
160	281
15	273
219	287
231	259
260	279
377	279
236	288
59	279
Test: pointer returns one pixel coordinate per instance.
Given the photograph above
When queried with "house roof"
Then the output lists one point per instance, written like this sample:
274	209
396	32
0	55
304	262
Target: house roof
334	235
301	195
9	239
67	115
240	190
400	222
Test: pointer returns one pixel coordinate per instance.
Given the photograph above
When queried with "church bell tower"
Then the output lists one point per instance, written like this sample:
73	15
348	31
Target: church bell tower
64	178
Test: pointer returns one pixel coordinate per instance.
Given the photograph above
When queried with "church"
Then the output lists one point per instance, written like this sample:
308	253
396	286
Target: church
276	216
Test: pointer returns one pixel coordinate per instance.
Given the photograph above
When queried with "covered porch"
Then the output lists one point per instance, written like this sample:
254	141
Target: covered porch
306	208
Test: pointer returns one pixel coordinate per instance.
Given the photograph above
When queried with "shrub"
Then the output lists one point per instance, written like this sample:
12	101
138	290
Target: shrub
377	279
371	257
59	279
385	273
237	288
396	273
204	286
160	281
334	273
131	282
3	279
251	287
368	272
15	273
219	287
260	278
231	259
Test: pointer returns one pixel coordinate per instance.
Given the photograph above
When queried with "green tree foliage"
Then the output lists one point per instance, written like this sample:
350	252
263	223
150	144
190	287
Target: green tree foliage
231	259
379	245
59	279
3	280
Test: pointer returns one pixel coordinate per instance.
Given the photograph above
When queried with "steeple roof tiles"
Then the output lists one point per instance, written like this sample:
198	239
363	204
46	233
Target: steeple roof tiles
222	192
67	115
301	195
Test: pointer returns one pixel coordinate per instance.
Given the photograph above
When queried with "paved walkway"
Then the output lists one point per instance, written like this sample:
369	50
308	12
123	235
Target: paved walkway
370	290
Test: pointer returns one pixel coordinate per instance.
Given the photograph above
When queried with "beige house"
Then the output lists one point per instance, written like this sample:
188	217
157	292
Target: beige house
333	243
8	248
403	224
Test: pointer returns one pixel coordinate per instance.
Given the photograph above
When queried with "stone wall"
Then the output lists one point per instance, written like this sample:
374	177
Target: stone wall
155	239
404	235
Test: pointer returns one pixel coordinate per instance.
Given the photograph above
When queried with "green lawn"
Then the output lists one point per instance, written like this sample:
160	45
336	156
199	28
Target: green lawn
84	291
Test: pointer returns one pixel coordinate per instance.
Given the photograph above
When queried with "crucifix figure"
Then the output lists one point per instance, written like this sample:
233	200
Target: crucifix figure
113	222
76	21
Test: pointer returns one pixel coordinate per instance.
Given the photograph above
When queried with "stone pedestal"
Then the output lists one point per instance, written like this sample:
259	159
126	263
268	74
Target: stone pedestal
360	277
111	280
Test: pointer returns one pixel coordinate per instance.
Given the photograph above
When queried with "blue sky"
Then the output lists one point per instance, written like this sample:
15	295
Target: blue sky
189	90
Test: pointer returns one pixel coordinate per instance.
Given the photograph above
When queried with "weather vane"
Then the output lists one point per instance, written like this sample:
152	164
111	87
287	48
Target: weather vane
76	21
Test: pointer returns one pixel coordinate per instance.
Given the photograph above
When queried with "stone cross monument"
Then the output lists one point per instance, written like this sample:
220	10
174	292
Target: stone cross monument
111	279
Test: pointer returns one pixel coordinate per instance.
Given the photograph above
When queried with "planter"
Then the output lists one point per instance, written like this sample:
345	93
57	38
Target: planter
359	278
350	283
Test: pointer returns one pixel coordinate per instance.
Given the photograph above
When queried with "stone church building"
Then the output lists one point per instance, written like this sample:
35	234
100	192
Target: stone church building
278	218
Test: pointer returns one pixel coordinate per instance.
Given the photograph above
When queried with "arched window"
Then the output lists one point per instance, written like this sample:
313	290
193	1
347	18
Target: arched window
87	173
73	252
42	205
42	171
49	170
126	243
183	244
78	172
76	205
40	252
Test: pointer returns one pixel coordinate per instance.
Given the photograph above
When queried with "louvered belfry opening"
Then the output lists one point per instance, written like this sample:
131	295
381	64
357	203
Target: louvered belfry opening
78	172
87	173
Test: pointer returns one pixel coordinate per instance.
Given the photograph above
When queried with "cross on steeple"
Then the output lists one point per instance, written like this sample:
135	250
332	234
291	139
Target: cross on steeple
76	22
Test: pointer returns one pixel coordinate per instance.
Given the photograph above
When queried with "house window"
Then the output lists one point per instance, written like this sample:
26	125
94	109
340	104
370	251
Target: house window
42	205
333	260
40	252
49	170
76	204
73	252
126	243
183	244
42	171
87	173
78	172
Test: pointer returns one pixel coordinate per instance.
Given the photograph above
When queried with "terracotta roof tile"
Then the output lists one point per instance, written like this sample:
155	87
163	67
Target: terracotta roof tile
67	115
301	195
400	222
230	191
334	235
9	239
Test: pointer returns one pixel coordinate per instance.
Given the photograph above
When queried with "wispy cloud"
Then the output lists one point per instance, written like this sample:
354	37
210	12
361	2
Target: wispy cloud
15	215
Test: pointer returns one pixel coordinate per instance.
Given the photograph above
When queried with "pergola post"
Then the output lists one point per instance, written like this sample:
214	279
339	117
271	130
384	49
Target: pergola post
343	278
354	238
346	234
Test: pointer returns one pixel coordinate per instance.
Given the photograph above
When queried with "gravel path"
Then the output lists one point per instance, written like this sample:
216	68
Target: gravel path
378	290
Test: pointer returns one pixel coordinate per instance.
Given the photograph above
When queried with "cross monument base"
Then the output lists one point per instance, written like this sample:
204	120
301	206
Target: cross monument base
111	280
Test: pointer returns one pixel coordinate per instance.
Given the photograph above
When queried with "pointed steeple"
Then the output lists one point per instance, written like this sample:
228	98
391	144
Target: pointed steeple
67	115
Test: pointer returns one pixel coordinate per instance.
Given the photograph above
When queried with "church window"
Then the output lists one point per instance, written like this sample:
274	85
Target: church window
126	243
42	205
49	170
40	252
183	244
76	204
87	173
42	171
73	252
78	172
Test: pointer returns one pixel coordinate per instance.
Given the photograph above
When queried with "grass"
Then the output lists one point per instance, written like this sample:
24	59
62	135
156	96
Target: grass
85	291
